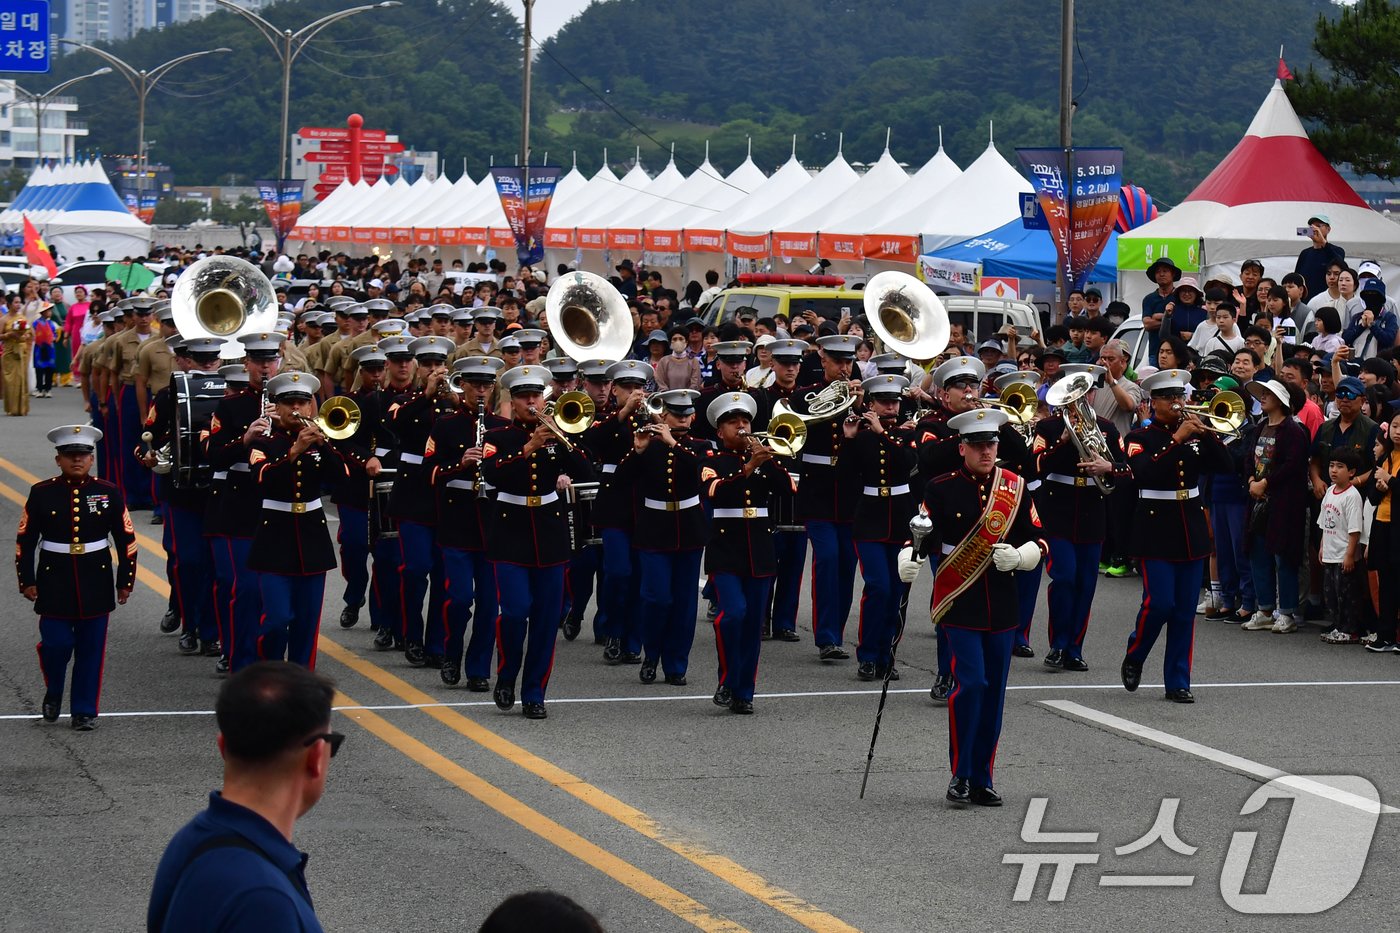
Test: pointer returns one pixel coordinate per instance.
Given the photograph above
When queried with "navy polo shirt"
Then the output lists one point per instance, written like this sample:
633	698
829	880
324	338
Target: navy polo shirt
231	887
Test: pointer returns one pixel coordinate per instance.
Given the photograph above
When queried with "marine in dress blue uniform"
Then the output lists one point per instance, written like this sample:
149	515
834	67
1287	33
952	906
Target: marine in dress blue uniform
790	543
1169	534
1074	515
214	525
529	543
292	549
386	578
985	528
739	484
1029	581
663	470
464	504
362	454
879	459
585	574
826	506
64	563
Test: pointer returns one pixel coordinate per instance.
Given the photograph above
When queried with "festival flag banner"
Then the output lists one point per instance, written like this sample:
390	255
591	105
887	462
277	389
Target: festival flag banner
1080	206
282	201
526	205
1137	254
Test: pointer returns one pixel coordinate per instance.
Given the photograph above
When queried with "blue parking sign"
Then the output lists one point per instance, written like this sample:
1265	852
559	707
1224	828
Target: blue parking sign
24	36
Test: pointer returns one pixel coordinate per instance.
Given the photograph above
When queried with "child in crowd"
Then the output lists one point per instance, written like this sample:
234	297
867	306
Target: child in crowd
45	350
1344	573
1329	331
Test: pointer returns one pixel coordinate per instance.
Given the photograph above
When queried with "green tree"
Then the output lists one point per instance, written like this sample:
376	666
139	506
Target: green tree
178	212
248	210
1356	103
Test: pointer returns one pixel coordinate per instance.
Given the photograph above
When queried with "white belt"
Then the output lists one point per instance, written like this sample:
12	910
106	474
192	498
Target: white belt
750	512
886	490
381	451
530	501
78	547
221	474
411	458
608	468
1069	480
296	508
1191	493
661	505
948	548
1033	485
241	467
817	458
461	484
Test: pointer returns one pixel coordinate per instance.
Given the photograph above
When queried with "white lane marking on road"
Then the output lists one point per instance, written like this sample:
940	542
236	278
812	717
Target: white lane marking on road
693	697
1234	762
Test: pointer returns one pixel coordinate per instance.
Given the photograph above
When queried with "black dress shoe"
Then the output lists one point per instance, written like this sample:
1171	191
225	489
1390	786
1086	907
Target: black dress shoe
210	649
832	653
169	623
723	696
786	634
881	672
676	680
189	643
742	707
1054	658
985	797
958	790
157	518
504	695
612	650
942	688
767	630
630	657
866	670
415	655
1181	696
1132	674
221	666
572	627
350	615
451	673
52	705
1023	651
435	661
534	711
647	672
478	684
384	640
1075	664
82	723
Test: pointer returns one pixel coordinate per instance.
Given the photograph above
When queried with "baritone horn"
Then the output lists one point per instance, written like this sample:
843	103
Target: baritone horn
1069	395
223	296
907	315
588	318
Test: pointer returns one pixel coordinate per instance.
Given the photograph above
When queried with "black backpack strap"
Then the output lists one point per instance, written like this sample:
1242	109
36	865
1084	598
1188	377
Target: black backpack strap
235	841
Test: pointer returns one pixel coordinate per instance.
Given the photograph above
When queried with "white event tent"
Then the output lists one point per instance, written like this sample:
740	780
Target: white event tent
75	208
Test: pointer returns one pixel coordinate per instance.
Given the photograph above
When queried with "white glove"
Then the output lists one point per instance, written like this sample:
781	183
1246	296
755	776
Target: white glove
1005	557
909	565
1030	555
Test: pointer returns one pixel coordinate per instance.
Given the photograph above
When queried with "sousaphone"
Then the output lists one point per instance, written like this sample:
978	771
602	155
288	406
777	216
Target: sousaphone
907	315
588	318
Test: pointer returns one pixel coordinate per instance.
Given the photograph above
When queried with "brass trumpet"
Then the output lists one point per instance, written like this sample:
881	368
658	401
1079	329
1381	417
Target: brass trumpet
1224	414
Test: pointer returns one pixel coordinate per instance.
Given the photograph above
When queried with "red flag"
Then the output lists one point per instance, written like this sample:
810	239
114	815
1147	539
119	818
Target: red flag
36	250
1283	73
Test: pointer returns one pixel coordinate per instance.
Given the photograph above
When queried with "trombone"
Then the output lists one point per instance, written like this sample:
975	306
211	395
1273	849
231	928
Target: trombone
571	413
786	434
1224	414
337	418
1020	403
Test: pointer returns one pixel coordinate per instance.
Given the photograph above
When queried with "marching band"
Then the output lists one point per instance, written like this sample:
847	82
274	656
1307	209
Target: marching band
485	497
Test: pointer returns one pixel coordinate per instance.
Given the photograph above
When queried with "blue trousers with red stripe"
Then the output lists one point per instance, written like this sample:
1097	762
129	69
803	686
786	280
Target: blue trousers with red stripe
353	538
221	559
621	596
833	579
739	630
531	599
1169	591
1074	575
980	664
191	567
84	642
136	479
1027	594
471	578
421	567
291	617
670	597
247	611
944	653
385	586
791	550
879	600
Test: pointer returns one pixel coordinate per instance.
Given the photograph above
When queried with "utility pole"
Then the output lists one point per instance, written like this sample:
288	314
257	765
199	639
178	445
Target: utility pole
525	93
40	103
1067	144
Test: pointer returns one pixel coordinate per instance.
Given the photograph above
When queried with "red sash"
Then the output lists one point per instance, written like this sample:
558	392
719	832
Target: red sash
970	559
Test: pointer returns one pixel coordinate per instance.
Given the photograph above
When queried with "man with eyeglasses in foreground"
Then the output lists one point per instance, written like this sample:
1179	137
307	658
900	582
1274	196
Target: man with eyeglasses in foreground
233	867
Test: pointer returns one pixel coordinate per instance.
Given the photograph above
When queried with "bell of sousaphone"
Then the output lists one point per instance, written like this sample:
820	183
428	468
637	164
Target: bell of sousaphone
223	296
588	317
907	315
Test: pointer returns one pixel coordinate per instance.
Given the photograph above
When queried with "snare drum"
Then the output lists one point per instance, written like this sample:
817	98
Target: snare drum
785	510
582	532
382	525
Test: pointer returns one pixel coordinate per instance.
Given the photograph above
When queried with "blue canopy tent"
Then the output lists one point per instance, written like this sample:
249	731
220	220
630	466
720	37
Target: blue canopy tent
1013	251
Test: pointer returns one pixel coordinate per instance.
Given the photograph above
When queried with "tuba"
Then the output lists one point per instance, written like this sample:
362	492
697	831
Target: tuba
223	296
1068	395
588	318
907	315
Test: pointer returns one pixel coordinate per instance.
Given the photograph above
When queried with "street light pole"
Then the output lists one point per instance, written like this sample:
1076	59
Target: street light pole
142	82
40	102
288	45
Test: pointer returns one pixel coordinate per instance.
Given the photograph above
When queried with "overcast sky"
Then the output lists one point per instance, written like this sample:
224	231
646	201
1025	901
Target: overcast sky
550	15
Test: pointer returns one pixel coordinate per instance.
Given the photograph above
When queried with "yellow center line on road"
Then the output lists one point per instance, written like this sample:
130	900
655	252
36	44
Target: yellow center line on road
722	867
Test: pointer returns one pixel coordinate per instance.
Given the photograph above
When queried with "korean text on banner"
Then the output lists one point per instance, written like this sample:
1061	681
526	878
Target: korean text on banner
282	201
1137	254
1080	205
527	206
950	273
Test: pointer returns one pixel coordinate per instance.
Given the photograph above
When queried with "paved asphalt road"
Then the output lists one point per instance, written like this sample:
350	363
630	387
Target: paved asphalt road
660	812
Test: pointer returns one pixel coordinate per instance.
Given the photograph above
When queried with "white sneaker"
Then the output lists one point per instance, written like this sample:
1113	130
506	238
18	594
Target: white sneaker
1261	621
1285	625
1204	604
1369	638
